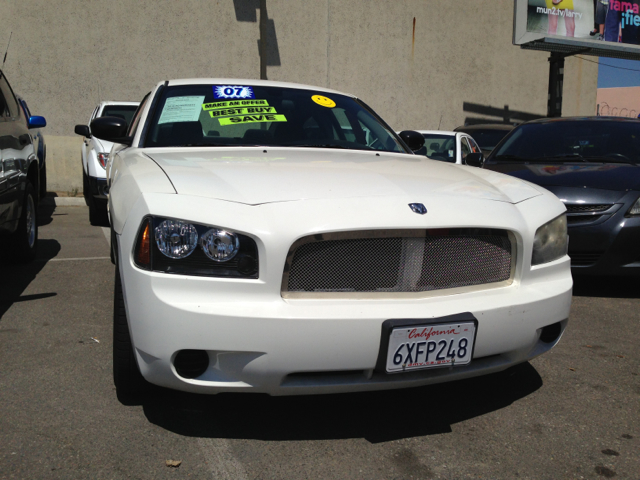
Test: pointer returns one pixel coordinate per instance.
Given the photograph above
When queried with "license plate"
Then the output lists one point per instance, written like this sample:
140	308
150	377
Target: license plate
428	346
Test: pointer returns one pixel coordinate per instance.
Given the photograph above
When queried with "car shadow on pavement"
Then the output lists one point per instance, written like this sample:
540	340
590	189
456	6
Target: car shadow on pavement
16	278
45	213
610	287
375	416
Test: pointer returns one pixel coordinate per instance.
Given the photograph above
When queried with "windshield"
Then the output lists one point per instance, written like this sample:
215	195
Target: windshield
440	147
606	141
488	139
121	111
247	115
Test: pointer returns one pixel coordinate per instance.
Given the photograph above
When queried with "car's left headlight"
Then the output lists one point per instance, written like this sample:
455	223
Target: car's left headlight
635	210
551	241
177	246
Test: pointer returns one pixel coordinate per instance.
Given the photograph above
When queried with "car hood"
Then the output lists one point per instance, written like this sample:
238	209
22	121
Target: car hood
608	176
257	175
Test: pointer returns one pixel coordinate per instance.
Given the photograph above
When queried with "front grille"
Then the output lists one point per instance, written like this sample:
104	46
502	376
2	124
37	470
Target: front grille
584	259
572	219
583	208
398	261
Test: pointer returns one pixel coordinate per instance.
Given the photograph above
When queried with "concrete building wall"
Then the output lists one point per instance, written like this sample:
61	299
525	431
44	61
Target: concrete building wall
66	56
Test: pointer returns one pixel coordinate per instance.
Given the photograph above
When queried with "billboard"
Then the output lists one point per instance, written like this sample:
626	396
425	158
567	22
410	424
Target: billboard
567	18
596	27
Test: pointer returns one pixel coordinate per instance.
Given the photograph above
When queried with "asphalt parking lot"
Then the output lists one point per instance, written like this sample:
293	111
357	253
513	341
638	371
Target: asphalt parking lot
573	413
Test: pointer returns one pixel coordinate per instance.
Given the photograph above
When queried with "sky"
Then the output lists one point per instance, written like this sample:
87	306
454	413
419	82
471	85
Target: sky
609	77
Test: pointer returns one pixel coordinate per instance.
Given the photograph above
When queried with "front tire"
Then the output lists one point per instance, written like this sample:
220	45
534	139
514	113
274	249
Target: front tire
126	374
23	242
97	216
43	181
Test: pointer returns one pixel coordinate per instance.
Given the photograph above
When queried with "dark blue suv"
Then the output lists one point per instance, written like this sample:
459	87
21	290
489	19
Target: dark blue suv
19	178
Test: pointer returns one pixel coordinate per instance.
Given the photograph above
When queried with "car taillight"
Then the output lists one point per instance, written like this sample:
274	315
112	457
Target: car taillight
102	159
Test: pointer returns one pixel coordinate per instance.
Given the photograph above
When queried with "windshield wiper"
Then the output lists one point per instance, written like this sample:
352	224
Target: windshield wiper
611	159
566	156
511	157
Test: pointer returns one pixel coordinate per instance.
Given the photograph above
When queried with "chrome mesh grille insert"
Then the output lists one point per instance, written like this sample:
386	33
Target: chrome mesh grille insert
421	261
581	208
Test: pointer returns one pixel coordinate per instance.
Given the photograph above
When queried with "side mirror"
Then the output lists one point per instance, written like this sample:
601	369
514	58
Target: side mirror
414	140
36	122
474	160
112	129
83	130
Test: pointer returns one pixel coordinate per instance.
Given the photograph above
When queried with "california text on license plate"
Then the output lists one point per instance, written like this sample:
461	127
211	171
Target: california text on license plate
428	346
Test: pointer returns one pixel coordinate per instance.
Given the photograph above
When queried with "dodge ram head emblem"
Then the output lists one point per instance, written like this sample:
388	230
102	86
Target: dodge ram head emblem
418	208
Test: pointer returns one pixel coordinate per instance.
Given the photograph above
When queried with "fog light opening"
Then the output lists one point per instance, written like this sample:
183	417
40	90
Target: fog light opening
191	363
550	333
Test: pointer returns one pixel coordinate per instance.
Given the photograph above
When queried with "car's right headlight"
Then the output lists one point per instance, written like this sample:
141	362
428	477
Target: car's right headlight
551	241
635	210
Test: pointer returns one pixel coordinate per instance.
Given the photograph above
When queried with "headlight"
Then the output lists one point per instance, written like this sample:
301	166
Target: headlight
219	245
635	210
176	246
176	239
551	241
102	159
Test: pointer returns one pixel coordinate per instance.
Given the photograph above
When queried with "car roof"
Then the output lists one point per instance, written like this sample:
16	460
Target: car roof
114	102
252	82
484	126
585	119
437	132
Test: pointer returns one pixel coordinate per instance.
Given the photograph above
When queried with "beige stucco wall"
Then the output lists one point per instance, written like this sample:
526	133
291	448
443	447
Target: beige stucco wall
75	54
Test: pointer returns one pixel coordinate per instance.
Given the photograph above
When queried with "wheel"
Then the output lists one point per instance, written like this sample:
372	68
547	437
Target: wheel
85	188
126	374
43	182
112	246
23	242
97	216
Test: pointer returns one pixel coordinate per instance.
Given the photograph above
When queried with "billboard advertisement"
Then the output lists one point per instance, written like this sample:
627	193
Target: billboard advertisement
568	18
602	25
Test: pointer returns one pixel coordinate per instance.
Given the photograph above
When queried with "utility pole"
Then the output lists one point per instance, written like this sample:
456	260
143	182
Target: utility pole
556	81
263	39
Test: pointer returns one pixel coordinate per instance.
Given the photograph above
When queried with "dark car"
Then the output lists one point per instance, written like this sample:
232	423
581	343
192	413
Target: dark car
593	165
40	148
488	135
19	178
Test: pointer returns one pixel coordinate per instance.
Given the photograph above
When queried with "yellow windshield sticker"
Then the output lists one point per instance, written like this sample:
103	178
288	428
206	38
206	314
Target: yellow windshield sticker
251	119
234	103
232	112
324	101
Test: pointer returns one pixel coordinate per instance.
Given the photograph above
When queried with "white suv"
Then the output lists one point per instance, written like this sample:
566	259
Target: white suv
95	153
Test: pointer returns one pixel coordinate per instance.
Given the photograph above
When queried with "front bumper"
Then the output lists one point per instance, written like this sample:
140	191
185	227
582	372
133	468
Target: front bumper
609	247
285	347
98	190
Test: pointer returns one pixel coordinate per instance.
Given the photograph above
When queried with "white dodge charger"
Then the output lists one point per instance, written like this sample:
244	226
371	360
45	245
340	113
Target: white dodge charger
281	238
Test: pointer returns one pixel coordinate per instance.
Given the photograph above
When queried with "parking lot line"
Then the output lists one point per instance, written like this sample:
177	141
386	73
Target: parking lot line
107	234
76	259
220	460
